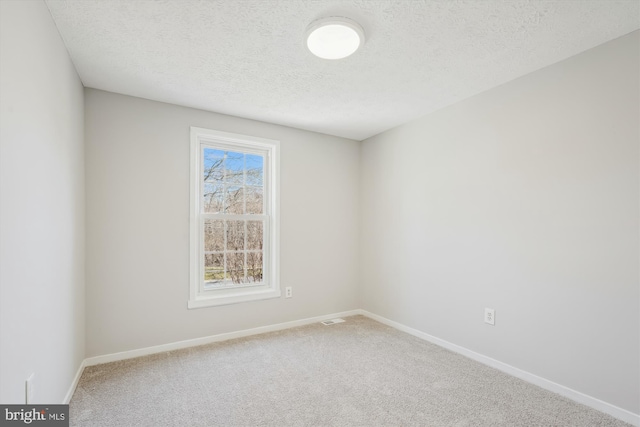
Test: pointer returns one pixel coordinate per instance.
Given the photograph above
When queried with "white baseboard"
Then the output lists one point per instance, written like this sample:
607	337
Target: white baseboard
210	339
592	402
74	384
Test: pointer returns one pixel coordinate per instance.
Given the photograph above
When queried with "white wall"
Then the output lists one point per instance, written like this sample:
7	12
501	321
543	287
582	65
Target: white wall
41	207
523	199
137	160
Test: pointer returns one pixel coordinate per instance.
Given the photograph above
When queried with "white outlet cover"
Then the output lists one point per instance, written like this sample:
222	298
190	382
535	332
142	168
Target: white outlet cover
490	316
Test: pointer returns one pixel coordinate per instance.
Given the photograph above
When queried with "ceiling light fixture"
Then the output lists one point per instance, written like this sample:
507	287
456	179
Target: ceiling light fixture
334	37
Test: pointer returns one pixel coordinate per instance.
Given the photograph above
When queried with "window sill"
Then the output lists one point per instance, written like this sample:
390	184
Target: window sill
226	299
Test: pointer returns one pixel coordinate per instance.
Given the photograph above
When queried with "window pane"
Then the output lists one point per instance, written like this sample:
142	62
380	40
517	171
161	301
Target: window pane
213	235
234	168
235	235
213	165
235	267
212	198
234	200
255	169
214	268
254	267
254	235
254	200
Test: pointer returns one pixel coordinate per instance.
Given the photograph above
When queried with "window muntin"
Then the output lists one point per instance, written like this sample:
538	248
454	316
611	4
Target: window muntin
233	184
234	208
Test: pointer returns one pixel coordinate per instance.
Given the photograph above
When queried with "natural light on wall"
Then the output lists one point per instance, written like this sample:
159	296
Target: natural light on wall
334	37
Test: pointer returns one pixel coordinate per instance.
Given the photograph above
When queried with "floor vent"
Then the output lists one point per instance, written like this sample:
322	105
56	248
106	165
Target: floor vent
332	321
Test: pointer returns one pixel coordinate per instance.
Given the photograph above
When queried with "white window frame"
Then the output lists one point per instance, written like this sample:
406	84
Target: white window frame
270	287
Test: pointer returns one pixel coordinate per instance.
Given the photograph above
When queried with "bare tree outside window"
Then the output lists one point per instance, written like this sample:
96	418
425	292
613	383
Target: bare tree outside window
233	186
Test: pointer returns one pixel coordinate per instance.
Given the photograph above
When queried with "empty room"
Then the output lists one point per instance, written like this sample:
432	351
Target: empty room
320	213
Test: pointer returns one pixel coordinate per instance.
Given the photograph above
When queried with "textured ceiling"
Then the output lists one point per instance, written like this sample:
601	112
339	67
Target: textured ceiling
247	57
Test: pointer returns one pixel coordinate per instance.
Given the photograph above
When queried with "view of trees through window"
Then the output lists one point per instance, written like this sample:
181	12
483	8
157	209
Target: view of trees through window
233	208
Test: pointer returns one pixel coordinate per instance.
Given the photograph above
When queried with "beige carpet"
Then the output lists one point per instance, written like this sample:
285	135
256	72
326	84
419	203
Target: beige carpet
357	373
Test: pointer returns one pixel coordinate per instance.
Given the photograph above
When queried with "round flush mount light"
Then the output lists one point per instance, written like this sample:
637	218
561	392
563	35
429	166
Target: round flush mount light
334	37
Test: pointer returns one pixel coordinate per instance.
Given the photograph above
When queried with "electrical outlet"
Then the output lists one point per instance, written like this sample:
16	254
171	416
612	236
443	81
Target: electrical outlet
29	389
490	316
288	292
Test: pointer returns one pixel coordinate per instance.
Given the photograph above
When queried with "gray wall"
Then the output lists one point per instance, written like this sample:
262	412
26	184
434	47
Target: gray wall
137	160
523	199
41	207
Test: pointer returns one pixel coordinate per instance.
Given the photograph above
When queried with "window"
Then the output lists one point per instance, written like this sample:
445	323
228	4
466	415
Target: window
234	218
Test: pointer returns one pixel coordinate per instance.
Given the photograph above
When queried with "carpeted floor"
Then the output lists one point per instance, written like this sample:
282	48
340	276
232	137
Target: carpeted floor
357	373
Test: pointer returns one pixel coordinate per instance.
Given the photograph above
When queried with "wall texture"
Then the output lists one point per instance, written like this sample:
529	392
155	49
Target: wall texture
523	199
41	207
137	160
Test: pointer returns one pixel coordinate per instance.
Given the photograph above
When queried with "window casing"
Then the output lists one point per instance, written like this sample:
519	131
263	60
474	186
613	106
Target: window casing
234	218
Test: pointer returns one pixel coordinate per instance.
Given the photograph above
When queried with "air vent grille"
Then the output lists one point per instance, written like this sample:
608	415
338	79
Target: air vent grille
332	321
